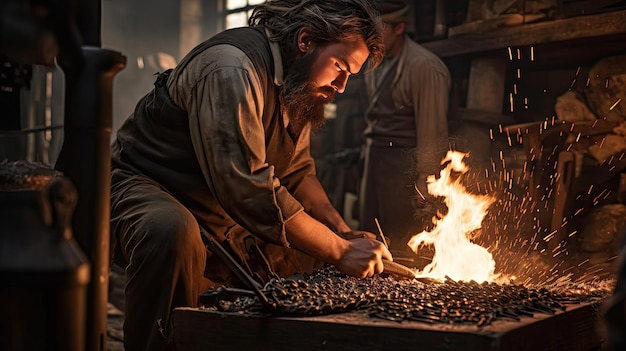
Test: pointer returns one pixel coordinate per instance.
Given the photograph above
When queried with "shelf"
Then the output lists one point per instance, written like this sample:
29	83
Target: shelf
609	24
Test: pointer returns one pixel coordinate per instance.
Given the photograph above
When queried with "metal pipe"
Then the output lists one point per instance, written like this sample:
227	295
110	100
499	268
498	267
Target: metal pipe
88	21
85	159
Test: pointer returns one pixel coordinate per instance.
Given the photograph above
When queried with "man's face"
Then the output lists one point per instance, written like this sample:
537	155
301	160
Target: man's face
314	78
391	35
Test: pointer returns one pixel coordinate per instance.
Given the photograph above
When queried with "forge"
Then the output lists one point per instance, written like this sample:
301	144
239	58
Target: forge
330	311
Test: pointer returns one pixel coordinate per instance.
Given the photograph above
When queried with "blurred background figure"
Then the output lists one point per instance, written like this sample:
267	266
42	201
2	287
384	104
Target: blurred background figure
406	133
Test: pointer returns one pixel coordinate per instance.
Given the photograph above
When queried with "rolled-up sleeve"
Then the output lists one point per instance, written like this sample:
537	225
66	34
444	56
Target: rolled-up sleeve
225	107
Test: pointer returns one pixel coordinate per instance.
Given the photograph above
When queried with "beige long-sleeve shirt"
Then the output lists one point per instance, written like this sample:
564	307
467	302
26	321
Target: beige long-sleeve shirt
421	82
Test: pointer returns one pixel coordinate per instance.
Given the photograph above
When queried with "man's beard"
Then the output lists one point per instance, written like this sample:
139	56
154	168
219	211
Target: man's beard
301	99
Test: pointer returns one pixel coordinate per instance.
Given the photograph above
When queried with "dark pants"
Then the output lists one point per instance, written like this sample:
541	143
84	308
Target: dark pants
158	241
167	264
387	194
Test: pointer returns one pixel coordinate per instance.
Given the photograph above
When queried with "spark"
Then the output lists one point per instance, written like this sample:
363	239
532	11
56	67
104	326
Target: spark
554	267
571	87
615	104
568	269
418	191
549	236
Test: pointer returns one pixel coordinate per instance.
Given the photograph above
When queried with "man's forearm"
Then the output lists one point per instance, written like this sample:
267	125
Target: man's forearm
360	257
316	203
312	237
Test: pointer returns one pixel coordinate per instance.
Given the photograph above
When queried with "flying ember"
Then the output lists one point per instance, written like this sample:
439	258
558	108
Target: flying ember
456	257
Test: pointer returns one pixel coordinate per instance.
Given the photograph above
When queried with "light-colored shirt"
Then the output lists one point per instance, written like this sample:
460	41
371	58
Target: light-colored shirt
421	82
248	166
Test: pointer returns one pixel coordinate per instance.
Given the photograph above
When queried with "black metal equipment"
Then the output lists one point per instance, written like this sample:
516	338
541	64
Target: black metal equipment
67	33
43	271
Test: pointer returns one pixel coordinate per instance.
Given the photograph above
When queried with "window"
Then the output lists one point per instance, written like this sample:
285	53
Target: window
238	12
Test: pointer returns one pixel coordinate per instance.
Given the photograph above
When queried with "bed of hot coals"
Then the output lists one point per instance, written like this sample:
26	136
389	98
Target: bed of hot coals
329	291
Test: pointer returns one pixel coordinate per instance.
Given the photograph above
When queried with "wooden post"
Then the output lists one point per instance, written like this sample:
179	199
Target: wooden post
190	25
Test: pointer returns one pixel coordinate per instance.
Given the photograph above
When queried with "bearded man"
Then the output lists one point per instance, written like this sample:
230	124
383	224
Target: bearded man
222	143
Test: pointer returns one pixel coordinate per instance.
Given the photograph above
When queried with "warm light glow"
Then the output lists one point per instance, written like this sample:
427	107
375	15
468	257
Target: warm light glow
455	255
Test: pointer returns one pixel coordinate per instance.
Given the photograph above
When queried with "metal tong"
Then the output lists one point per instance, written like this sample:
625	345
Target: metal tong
237	270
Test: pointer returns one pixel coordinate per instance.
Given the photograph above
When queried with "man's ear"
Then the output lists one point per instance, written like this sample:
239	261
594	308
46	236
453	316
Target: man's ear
305	40
399	28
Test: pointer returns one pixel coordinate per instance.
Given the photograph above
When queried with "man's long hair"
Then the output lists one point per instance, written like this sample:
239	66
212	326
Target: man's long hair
330	21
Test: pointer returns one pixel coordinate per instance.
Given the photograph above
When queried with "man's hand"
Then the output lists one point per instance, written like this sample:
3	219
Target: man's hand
359	256
363	258
357	234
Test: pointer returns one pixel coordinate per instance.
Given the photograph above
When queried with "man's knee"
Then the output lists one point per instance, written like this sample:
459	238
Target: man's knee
173	229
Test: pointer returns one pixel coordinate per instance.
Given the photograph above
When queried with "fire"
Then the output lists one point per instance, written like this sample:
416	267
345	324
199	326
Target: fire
455	255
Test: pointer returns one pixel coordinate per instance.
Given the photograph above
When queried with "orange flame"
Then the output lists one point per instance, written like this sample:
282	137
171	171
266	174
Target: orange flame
455	255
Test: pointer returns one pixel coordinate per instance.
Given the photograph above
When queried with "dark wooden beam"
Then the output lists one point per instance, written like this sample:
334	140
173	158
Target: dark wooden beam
604	24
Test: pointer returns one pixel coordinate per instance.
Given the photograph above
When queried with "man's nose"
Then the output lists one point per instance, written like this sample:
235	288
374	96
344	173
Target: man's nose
340	82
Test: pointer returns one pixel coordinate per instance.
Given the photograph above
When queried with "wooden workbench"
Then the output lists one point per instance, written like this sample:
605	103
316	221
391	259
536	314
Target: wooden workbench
577	328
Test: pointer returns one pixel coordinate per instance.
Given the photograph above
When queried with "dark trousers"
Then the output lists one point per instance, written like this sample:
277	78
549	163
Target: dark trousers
167	264
158	241
387	194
